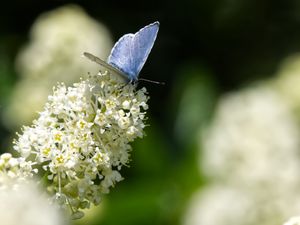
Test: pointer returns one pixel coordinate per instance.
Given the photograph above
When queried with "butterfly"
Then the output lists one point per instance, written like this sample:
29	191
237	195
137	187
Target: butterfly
130	53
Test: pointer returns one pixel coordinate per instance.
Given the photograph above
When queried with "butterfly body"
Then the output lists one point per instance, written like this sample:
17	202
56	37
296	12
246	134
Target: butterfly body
130	53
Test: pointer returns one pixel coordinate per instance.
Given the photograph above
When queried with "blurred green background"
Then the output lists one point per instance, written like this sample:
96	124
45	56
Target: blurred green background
204	49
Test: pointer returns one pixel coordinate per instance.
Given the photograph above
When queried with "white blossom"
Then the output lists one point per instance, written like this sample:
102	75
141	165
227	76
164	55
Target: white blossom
293	221
253	139
53	54
222	204
287	81
57	39
23	203
250	153
15	168
81	139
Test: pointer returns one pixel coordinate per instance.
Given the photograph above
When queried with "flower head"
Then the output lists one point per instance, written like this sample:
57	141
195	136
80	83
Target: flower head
293	221
251	153
253	128
14	168
81	139
226	204
23	203
57	40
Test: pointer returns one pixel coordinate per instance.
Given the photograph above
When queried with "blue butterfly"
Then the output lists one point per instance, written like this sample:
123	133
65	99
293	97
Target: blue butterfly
130	53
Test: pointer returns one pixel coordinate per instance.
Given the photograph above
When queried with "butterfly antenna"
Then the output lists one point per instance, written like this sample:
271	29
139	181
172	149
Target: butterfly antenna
152	81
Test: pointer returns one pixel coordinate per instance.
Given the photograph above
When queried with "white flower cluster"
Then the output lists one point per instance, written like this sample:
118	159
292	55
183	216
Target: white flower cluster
81	139
14	168
251	154
222	204
218	205
293	221
252	128
287	81
23	203
57	40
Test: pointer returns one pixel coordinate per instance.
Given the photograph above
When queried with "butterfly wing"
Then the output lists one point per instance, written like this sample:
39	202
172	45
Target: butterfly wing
131	51
105	65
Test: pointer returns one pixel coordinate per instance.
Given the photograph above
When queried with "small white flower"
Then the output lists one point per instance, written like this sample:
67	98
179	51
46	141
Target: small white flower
126	104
